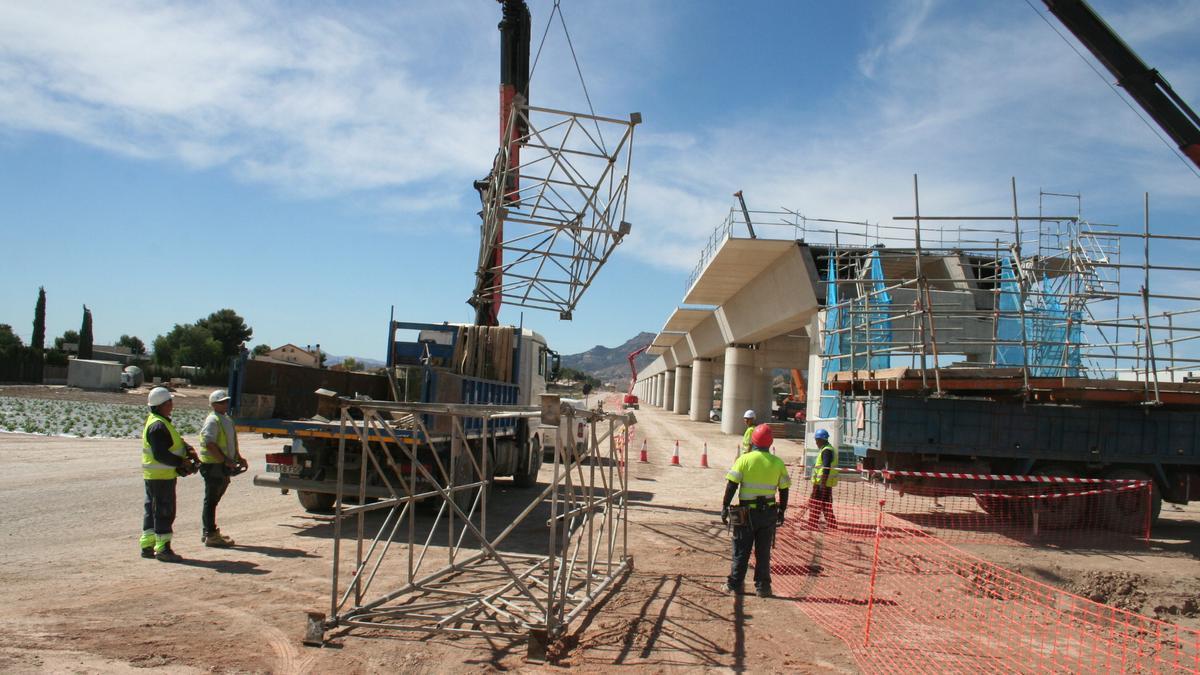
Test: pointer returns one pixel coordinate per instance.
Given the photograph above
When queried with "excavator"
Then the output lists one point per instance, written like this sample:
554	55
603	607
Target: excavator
792	404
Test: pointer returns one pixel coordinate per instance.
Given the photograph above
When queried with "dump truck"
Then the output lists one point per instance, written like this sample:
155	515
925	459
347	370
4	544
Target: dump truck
426	363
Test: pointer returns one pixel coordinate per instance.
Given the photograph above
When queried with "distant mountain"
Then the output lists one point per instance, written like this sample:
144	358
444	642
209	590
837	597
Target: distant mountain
611	364
367	364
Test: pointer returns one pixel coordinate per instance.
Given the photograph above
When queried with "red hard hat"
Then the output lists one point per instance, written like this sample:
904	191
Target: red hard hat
762	437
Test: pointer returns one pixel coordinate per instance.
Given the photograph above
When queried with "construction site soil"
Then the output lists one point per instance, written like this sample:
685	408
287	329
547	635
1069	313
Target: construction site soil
80	598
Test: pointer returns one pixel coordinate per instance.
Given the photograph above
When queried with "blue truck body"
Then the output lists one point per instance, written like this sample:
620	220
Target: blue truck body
907	431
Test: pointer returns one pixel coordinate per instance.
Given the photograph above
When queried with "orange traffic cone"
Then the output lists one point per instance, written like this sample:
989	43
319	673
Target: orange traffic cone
675	455
645	459
704	457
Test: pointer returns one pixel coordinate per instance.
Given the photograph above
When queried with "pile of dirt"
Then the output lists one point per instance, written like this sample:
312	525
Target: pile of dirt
1122	590
1190	608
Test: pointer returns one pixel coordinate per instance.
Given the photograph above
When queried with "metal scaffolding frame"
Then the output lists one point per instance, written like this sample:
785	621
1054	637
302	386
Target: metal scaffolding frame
558	212
1048	296
438	454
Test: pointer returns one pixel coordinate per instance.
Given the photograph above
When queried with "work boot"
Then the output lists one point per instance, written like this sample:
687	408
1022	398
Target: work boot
215	540
763	592
148	552
228	540
728	588
167	555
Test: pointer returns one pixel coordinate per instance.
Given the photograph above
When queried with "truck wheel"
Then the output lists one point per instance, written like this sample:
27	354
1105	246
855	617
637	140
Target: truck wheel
528	467
464	473
1063	512
1125	511
316	502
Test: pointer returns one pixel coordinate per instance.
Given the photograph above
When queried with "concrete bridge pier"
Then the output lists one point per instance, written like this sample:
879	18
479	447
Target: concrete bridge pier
683	389
702	390
669	390
738	387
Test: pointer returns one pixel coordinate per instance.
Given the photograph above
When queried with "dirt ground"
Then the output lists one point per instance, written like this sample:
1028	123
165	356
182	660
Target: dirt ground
80	598
1160	578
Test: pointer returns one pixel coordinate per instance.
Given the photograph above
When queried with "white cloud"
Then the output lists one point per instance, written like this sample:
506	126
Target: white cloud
316	104
964	100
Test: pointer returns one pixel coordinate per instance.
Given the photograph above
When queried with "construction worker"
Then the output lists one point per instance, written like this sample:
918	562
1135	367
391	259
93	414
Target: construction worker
755	477
825	476
165	457
749	419
219	459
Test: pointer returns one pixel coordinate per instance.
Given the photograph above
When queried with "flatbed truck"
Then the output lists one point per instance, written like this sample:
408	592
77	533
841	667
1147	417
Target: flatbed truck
445	363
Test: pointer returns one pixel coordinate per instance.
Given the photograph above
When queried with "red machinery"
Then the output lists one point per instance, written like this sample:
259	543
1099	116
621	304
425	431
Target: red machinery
630	400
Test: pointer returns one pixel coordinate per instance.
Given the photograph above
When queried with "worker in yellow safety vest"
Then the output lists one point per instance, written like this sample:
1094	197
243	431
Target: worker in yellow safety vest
165	457
755	477
824	477
749	419
219	459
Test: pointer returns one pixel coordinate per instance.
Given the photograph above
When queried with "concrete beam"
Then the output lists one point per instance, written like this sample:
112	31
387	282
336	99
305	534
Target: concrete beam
780	299
706	340
682	353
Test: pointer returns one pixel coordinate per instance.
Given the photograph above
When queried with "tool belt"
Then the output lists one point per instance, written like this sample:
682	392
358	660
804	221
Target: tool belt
759	503
739	516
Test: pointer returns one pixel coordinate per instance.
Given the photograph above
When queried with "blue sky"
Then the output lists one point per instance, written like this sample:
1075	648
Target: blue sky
311	166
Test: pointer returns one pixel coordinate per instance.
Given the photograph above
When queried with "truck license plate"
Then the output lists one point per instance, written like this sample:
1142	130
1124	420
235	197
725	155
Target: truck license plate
289	469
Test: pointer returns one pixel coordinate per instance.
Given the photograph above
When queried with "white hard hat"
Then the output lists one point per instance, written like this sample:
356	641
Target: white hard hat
158	396
749	415
218	396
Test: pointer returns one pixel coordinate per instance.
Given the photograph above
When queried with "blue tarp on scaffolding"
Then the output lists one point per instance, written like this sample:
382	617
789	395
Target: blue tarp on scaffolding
1051	335
868	316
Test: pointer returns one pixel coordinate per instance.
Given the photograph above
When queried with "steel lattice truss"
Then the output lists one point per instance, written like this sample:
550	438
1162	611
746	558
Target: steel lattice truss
447	571
558	212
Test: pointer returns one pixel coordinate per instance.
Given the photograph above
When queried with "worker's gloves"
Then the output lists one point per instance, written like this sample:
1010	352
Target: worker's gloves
189	467
725	515
779	518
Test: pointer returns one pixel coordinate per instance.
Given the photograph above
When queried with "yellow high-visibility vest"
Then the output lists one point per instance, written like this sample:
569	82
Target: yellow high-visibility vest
758	474
152	469
832	479
207	457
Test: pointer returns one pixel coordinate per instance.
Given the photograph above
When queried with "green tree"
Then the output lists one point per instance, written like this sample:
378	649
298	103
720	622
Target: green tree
188	345
135	344
227	328
85	334
261	350
351	363
10	342
69	337
38	341
55	357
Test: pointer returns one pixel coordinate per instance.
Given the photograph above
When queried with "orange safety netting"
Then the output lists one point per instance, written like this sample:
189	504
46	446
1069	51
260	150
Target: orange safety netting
1002	512
904	600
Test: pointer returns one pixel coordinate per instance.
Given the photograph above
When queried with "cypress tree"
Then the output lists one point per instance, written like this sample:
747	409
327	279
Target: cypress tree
38	342
85	335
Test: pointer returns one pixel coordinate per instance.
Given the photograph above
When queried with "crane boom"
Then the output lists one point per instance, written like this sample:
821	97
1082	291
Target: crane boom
514	88
1145	85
